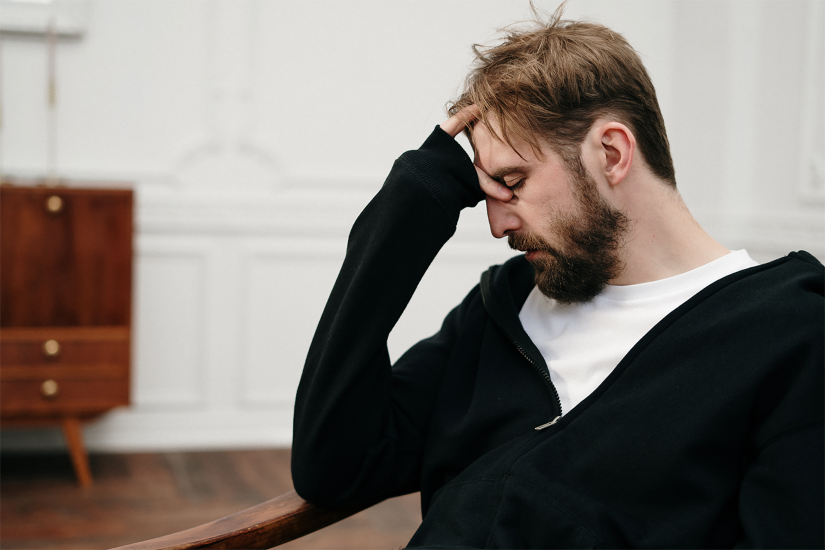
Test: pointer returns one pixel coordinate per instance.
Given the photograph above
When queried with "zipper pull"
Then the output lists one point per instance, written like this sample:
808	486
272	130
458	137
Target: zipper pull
540	428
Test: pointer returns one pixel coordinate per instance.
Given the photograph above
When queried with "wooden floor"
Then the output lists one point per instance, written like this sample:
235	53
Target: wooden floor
145	495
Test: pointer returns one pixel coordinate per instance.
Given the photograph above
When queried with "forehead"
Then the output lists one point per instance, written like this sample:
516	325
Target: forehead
493	154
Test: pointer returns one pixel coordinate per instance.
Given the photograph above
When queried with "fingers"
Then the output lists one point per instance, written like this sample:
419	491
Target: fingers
460	120
456	124
493	188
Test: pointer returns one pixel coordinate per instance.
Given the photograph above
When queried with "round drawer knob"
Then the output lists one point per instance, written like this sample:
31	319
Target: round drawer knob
51	348
49	388
54	204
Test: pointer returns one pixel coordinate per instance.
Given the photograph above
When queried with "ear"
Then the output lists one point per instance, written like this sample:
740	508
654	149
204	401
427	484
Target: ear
616	148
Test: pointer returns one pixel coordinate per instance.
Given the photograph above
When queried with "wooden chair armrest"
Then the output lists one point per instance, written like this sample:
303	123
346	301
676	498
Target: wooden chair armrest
276	521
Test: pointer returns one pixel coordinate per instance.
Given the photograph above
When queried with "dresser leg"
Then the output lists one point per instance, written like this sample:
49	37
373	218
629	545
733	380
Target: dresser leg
74	437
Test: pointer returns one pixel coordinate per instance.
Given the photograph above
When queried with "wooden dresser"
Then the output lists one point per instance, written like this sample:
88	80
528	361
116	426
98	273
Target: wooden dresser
65	307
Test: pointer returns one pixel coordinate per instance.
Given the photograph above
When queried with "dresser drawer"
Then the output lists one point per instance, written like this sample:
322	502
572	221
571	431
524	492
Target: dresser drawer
64	346
63	370
62	395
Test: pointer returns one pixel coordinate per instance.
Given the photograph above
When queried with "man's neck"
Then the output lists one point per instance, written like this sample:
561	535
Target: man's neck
664	239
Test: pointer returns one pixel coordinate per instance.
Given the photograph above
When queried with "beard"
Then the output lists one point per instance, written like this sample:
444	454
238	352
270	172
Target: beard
591	239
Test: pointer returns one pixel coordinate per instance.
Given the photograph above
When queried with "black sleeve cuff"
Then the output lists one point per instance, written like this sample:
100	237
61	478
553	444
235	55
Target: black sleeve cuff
443	166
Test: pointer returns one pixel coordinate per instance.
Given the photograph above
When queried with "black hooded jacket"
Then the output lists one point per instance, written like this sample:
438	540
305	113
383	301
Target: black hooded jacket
709	432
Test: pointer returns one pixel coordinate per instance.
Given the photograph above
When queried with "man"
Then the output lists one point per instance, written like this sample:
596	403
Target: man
628	381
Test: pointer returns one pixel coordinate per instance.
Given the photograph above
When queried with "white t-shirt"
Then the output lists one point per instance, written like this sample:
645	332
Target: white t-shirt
583	343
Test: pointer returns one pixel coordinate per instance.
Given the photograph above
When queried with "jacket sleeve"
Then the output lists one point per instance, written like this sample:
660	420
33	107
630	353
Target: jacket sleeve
782	493
359	424
781	497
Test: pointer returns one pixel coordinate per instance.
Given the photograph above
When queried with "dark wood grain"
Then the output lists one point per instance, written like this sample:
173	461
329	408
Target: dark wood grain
272	523
77	450
70	268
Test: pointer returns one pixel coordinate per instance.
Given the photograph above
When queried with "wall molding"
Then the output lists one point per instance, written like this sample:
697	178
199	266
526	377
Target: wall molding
193	431
742	102
227	148
28	17
128	430
315	260
193	396
812	169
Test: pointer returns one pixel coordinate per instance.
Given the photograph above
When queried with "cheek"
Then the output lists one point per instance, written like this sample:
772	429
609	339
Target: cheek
552	187
550	208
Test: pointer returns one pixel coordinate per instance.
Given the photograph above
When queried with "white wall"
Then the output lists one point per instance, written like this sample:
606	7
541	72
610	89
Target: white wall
254	131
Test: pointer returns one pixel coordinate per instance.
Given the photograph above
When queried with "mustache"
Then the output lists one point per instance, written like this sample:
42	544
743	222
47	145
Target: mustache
529	241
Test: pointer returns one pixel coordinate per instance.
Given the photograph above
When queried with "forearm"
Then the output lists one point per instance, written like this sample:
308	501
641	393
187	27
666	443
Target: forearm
347	422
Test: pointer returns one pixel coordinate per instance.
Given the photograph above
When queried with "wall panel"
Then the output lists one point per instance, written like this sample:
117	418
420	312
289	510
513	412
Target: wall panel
284	295
169	328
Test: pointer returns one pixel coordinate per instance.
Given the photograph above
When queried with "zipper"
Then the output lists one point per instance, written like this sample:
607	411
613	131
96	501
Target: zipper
540	428
495	312
546	377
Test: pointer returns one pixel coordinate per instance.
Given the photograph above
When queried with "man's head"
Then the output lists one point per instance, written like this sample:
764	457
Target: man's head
548	84
554	101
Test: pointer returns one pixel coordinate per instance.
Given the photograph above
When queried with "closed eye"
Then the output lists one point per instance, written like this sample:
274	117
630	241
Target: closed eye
512	186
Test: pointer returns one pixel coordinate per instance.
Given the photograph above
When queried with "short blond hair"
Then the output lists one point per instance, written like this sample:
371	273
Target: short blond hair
549	82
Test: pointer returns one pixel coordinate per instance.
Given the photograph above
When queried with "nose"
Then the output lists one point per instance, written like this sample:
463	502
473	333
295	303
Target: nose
503	220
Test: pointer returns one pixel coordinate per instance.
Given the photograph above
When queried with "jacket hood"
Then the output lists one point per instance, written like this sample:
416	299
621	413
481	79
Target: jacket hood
508	284
504	289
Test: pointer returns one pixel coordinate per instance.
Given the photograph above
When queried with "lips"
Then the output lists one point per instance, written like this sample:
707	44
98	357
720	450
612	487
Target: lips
531	245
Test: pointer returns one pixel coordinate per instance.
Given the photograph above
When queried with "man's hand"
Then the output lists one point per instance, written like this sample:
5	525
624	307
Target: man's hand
456	124
462	119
